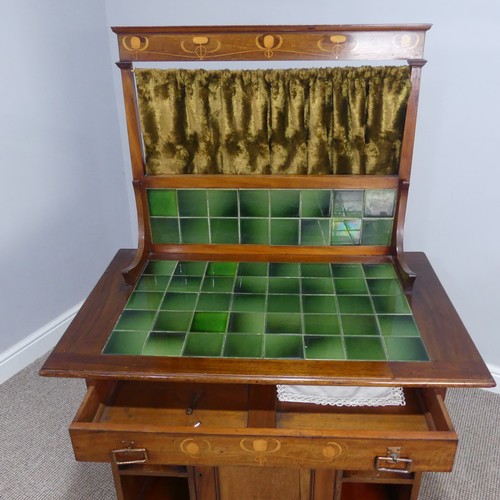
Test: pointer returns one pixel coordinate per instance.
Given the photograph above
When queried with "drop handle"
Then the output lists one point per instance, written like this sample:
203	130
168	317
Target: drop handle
393	462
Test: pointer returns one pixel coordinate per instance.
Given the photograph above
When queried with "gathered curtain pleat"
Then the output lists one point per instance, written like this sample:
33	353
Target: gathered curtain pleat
298	121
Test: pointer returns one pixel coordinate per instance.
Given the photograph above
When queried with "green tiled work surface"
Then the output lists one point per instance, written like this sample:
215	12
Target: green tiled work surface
268	310
312	217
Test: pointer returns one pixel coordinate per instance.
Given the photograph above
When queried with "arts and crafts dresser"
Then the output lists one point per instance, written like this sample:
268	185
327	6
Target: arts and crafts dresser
271	206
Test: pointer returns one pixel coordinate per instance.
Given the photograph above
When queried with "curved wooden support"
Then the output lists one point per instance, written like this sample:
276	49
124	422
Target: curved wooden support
131	272
135	268
406	275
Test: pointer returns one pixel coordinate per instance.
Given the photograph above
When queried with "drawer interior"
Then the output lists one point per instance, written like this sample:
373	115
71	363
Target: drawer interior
243	406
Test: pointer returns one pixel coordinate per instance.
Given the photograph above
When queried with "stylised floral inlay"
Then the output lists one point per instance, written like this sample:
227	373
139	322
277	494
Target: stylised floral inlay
336	44
260	447
201	46
269	43
195	448
135	43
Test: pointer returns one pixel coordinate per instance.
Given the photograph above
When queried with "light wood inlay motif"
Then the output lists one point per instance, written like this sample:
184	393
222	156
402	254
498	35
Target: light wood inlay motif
260	449
135	43
268	43
337	44
195	448
405	41
201	46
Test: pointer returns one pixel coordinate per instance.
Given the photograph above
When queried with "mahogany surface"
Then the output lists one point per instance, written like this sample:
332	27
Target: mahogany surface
455	361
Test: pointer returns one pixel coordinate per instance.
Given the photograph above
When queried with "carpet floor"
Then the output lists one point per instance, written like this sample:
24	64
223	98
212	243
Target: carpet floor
36	461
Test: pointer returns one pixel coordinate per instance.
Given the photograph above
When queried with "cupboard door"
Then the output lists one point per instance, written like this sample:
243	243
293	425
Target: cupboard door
259	483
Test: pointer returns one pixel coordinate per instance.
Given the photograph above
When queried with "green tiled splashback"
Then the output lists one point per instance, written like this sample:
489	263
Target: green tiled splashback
315	217
268	310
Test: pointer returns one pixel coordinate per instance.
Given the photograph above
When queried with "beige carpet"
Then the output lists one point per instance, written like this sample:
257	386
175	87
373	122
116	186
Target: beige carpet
36	459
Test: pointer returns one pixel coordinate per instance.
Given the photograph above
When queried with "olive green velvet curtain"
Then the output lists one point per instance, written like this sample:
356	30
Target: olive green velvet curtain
300	121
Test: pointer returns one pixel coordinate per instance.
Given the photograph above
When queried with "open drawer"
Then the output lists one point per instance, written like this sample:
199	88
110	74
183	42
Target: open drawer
205	424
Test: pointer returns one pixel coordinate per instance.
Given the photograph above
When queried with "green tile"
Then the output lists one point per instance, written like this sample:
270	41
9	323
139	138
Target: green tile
224	231
246	322
315	270
346	231
352	304
173	321
318	304
364	348
317	286
192	202
321	324
250	284
190	268
283	323
164	344
184	284
223	202
380	202
284	285
162	202
217	284
243	346
252	268
315	232
136	320
222	268
347	270
283	303
164	267
348	203
194	231
350	286
385	270
251	303
284	231
384	286
324	348
254	203
406	349
144	300
213	302
203	344
377	232
284	269
213	322
391	304
125	343
284	346
285	203
316	203
359	324
174	301
254	231
398	326
164	230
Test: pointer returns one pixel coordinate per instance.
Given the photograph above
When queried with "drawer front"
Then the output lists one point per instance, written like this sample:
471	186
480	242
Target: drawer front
96	439
426	452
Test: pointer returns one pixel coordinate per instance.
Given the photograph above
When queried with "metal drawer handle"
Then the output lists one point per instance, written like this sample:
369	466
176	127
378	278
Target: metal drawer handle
127	456
393	457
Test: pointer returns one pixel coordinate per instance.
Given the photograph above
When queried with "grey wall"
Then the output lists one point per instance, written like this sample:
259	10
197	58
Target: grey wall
63	208
452	213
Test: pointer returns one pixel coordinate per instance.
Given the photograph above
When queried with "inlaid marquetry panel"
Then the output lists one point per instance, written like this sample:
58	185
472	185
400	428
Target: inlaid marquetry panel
271	43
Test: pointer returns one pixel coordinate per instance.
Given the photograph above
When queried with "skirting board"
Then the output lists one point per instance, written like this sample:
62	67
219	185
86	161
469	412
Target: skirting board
23	353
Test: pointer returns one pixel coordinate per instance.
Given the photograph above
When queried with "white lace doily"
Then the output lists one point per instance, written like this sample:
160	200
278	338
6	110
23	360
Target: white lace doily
342	396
